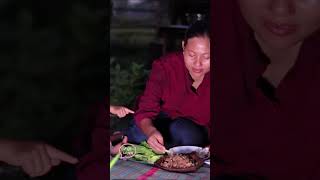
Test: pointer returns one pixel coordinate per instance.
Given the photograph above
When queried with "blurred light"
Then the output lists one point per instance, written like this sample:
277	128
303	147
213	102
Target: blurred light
134	2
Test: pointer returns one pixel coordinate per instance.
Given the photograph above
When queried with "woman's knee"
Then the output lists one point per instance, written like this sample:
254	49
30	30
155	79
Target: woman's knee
186	132
134	133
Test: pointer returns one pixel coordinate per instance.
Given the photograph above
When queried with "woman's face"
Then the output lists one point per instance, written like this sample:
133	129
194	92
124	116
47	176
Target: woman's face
197	56
282	23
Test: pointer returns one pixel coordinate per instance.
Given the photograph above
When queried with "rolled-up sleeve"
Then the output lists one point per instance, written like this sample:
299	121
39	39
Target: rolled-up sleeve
149	102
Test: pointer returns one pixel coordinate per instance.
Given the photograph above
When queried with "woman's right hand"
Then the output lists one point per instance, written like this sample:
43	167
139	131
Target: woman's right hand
155	141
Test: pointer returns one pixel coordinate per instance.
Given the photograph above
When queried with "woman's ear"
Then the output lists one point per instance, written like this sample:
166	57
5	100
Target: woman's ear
182	44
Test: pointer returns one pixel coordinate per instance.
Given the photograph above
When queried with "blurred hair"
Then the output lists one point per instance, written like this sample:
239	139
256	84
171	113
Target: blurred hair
199	28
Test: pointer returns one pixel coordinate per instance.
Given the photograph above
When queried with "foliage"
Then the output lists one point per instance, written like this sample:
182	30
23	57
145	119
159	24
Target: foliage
126	83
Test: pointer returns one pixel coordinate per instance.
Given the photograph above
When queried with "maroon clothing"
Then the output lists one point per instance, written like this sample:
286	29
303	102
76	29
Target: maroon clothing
169	89
256	135
94	164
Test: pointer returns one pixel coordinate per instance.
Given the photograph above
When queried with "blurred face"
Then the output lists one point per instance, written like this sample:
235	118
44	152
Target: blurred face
197	56
281	23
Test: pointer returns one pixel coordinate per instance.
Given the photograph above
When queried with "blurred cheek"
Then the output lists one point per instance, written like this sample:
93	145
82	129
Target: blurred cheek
207	66
308	27
315	23
188	62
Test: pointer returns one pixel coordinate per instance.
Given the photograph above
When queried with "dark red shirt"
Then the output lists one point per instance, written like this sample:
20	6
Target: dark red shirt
255	135
169	89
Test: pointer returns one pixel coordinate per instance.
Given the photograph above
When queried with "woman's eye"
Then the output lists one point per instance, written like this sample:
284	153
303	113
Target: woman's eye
206	57
192	55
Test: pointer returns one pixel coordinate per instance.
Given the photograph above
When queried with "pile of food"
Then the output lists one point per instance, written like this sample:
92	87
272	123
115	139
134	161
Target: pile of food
180	161
176	161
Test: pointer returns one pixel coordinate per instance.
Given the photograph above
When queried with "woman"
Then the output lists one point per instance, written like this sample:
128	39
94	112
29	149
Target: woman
266	90
174	109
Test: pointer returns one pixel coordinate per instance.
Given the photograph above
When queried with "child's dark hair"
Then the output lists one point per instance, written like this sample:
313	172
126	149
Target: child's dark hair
197	29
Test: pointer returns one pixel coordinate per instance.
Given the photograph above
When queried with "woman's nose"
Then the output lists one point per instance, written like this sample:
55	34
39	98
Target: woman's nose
198	61
282	8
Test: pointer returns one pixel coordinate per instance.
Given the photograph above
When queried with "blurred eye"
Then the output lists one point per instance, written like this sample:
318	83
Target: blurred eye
206	57
192	55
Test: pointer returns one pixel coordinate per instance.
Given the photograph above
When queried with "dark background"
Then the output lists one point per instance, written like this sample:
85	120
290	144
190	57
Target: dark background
53	67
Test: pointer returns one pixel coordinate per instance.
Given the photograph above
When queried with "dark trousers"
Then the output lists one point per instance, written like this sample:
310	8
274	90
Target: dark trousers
176	132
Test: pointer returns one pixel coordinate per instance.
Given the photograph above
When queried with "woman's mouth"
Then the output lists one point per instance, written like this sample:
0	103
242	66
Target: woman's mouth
195	70
280	29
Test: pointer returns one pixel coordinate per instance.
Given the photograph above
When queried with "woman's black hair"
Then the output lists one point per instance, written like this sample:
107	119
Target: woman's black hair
199	28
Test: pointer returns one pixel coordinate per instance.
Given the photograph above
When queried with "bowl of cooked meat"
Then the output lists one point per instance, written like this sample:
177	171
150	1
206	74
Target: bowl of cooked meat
180	162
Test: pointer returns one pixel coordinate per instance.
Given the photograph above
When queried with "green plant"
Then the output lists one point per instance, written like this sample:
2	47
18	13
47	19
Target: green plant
126	82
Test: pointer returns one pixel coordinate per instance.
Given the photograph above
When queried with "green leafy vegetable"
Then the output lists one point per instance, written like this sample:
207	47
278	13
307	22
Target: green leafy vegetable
143	153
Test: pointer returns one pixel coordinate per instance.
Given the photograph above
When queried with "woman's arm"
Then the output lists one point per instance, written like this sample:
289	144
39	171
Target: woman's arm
149	106
147	126
149	101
